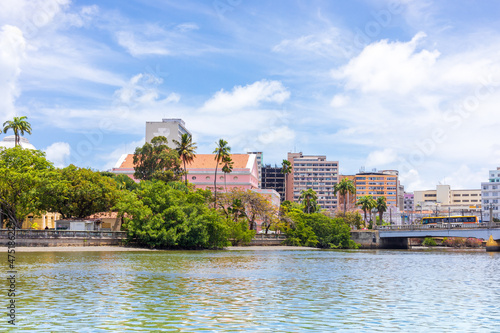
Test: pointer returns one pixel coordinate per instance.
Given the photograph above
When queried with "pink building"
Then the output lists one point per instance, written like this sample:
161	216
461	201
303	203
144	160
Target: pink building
201	172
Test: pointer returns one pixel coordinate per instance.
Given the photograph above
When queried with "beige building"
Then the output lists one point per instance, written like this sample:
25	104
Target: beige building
315	172
444	199
172	129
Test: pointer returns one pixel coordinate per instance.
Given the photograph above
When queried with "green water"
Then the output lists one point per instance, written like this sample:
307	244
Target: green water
257	291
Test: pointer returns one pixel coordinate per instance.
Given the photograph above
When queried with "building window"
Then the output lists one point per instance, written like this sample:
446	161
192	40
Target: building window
193	178
207	177
235	178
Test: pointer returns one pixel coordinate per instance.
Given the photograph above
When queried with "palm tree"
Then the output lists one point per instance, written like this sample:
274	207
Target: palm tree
381	206
309	199
345	186
367	203
186	150
227	168
286	168
221	151
19	125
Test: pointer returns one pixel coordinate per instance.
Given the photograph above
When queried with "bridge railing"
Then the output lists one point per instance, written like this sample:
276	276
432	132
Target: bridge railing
439	226
32	234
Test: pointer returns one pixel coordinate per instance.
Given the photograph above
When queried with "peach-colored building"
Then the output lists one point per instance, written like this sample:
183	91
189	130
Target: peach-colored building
201	172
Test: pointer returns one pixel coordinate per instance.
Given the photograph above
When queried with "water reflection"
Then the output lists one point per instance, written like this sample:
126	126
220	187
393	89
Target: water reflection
288	291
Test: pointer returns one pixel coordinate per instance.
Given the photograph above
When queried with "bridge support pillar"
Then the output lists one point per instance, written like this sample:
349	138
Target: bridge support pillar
493	245
394	243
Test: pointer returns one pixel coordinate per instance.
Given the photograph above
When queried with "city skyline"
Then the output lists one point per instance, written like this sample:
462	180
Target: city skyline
407	85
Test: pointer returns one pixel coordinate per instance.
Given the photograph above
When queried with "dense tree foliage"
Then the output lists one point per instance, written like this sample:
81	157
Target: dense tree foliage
317	230
77	192
164	215
156	160
344	187
22	171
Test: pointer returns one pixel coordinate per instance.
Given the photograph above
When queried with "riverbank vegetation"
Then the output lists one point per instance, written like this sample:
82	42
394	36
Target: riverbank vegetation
162	210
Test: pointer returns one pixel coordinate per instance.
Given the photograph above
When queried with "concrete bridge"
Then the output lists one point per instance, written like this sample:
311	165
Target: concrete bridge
398	235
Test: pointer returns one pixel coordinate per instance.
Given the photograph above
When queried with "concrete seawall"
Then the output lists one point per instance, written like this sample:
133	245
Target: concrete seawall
370	239
53	238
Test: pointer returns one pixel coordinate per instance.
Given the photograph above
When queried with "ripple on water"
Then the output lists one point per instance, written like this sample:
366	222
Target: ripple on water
263	291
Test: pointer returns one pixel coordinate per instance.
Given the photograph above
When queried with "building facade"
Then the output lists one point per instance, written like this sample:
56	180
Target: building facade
409	202
259	156
444	200
172	129
490	196
201	172
315	172
273	179
378	184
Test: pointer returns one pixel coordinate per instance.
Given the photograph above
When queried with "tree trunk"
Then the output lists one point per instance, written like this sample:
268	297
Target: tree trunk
185	173
215	185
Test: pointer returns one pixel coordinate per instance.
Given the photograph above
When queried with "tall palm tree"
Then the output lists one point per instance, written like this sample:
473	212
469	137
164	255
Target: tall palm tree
221	151
309	198
286	168
343	187
227	168
381	206
19	125
186	150
367	203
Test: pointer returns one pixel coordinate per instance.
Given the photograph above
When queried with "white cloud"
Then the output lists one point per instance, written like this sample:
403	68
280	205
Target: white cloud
12	52
379	158
385	66
58	153
138	46
249	96
339	101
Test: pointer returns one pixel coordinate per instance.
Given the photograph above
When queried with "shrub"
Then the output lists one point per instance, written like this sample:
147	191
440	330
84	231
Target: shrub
473	242
429	241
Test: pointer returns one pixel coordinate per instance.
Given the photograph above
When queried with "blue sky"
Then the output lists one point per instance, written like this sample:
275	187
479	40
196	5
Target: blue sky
407	85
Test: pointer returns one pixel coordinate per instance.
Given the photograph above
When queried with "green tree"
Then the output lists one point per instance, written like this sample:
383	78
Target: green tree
163	215
221	151
344	187
22	171
78	193
19	125
367	203
227	167
156	160
381	207
309	199
186	150
353	219
286	168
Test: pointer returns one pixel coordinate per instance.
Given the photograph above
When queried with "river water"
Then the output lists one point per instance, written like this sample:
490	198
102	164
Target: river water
258	291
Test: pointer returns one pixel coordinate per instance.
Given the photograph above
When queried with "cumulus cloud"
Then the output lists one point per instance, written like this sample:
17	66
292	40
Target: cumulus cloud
339	101
381	158
386	66
58	153
249	96
12	46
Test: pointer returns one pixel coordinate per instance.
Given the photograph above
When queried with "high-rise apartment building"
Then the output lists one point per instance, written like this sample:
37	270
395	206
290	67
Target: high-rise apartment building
490	196
259	164
172	129
315	172
378	184
273	179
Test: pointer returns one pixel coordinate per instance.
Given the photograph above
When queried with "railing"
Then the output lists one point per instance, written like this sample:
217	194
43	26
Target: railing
26	233
269	236
439	226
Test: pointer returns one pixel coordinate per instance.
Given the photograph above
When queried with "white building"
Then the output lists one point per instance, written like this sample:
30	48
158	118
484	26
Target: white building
443	200
10	142
490	195
259	165
172	129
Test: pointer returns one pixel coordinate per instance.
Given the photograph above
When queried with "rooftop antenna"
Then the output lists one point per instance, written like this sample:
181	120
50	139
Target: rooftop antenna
362	169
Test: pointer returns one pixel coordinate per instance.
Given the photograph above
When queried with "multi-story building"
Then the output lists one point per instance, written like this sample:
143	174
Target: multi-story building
259	165
273	178
315	172
350	202
490	196
201	171
172	129
409	203
378	184
444	200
